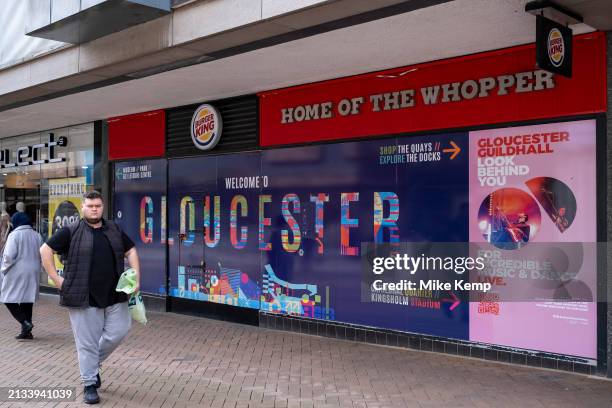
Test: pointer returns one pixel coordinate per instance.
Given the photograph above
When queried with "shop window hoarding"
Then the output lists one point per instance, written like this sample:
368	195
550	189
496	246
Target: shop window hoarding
284	230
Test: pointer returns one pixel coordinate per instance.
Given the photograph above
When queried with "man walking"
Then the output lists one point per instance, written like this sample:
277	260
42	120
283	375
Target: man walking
93	250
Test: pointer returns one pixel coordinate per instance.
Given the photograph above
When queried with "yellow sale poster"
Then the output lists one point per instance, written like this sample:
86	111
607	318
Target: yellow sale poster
65	199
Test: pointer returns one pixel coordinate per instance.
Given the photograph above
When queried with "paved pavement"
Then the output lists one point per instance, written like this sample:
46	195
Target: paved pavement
183	361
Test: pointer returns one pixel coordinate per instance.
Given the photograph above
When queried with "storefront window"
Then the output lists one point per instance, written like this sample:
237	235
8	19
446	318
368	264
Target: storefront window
48	172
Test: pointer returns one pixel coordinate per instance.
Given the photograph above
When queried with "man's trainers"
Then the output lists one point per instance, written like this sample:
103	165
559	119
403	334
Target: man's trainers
90	395
24	336
98	383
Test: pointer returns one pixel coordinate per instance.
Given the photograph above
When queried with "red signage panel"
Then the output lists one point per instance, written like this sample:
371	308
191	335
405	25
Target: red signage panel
486	88
136	136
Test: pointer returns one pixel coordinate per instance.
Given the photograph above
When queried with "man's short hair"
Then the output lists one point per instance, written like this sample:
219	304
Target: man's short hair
92	195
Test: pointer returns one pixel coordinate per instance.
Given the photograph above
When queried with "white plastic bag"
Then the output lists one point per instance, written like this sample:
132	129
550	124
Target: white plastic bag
127	281
127	284
137	308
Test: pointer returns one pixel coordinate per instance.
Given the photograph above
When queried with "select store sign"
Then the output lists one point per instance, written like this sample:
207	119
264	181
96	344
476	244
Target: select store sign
41	153
493	87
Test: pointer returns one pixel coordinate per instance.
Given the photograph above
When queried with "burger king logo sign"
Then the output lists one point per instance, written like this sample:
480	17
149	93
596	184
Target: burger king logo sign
556	47
206	127
553	46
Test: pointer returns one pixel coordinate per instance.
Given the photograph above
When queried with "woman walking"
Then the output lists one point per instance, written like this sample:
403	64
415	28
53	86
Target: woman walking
5	228
20	269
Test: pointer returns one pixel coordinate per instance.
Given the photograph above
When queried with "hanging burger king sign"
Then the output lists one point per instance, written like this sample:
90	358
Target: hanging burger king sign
553	46
556	47
206	127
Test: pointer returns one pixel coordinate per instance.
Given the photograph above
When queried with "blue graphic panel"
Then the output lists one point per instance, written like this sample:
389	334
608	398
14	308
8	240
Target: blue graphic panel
214	254
383	191
139	201
282	229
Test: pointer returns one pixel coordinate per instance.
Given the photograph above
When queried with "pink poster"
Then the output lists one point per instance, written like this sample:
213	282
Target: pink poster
533	217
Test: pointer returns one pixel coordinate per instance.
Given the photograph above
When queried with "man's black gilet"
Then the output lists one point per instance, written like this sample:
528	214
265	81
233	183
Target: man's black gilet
78	260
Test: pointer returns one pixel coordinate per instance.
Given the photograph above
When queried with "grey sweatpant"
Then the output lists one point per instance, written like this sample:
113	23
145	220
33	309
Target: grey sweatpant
97	332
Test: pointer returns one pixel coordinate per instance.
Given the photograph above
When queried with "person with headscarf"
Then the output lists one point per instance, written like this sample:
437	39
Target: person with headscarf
20	269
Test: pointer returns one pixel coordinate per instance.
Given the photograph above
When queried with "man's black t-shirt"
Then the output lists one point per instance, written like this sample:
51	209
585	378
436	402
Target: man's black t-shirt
103	274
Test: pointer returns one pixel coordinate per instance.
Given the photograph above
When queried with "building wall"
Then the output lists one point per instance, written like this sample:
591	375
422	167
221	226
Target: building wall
30	70
15	46
609	204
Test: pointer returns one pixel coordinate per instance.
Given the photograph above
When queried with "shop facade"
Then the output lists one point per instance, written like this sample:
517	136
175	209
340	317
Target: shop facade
48	172
265	206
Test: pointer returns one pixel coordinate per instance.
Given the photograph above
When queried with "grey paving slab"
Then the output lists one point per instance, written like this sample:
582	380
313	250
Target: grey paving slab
183	361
